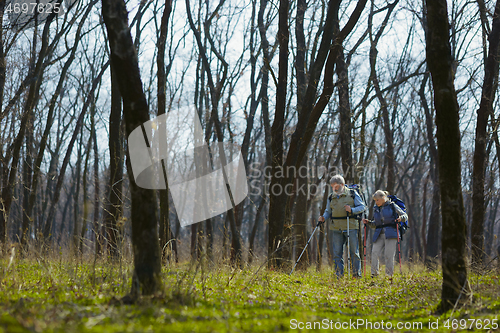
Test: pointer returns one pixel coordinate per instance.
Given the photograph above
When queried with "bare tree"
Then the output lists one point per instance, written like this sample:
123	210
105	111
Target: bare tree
454	240
36	71
279	210
215	89
147	255
165	231
480	157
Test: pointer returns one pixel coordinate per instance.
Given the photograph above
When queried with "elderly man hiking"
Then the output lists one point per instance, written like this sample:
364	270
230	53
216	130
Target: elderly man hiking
342	206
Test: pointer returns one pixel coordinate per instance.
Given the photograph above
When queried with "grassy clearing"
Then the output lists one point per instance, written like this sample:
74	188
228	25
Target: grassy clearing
69	296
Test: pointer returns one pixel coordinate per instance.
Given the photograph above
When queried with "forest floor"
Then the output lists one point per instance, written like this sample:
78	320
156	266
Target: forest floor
57	295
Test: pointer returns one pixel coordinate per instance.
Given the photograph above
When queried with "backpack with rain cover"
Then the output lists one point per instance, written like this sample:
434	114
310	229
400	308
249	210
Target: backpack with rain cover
403	225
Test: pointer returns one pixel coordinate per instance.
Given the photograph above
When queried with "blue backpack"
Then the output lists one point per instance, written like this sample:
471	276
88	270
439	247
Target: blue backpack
357	188
403	225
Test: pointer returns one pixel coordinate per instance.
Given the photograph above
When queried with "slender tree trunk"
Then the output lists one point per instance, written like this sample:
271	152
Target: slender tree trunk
310	114
454	239
165	231
215	96
194	233
250	119
97	203
480	157
36	68
488	245
299	227
264	44
86	200
147	254
423	232
301	221
60	179
345	126
433	234
276	216
49	122
389	140
251	239
76	202
65	222
114	208
27	181
2	61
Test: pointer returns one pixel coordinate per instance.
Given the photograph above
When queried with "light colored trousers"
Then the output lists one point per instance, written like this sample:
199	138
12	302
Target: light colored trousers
389	248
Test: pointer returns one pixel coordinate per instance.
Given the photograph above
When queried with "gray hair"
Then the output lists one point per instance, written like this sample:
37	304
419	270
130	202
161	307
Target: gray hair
337	179
380	194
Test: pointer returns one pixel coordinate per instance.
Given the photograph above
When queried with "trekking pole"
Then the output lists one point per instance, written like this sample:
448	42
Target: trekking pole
348	248
364	254
305	247
399	249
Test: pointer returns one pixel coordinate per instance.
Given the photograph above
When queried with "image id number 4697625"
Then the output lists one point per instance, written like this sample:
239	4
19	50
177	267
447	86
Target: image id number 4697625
471	324
21	7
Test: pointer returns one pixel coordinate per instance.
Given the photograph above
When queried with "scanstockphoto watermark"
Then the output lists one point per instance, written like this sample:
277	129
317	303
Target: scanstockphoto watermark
356	324
204	179
258	174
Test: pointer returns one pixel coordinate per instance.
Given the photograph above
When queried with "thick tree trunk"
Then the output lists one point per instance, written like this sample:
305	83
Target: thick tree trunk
147	256
480	157
454	239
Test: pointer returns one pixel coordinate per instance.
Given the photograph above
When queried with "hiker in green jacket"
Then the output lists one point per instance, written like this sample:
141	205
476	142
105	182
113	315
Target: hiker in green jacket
344	202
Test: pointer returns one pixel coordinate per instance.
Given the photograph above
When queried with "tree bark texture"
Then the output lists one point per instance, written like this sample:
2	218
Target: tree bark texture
147	256
165	230
454	240
432	242
480	156
114	207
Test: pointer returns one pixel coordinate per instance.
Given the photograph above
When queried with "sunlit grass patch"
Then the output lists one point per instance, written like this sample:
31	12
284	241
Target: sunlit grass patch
84	296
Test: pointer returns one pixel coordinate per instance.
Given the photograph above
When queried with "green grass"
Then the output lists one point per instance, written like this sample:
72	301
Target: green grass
69	296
